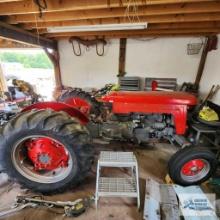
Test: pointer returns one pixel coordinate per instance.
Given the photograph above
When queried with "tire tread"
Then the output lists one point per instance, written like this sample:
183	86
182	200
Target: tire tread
62	126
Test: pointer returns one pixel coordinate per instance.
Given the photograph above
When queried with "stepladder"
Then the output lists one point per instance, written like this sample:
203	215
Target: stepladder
113	186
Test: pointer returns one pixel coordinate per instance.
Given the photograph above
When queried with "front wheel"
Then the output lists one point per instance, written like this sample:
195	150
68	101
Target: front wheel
46	151
192	165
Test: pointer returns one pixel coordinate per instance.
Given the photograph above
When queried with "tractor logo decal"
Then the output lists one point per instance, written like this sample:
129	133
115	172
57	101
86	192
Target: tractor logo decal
197	204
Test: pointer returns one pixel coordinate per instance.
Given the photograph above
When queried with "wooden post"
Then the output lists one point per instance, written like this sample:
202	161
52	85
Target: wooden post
55	59
122	57
3	84
210	44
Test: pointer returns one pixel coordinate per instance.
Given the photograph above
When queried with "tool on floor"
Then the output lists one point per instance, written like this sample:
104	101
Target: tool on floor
70	208
115	186
16	208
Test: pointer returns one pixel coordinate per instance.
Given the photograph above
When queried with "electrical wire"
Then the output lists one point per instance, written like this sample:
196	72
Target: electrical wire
36	23
42	5
131	11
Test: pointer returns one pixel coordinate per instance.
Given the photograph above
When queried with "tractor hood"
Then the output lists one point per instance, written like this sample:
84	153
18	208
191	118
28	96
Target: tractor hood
151	97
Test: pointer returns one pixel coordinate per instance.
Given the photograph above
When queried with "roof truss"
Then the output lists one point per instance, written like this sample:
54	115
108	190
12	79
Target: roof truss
165	17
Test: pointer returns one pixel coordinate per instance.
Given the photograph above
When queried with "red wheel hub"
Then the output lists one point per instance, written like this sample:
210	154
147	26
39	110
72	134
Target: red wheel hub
79	103
193	167
47	154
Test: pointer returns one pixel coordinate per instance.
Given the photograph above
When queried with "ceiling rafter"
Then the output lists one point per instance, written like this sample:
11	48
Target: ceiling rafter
26	7
182	18
165	26
19	35
164	17
5	43
136	36
176	9
135	32
196	24
6	1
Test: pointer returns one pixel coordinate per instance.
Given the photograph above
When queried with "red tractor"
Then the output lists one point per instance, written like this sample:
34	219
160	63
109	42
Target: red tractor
47	146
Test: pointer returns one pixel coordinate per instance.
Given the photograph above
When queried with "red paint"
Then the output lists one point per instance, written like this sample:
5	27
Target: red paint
80	104
47	154
58	106
193	167
175	103
151	97
154	85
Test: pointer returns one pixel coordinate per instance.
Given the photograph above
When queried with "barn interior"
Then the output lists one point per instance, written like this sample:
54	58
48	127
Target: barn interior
109	109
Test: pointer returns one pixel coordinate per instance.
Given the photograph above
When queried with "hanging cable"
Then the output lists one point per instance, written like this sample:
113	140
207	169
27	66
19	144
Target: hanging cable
36	23
131	11
79	53
88	43
101	51
42	5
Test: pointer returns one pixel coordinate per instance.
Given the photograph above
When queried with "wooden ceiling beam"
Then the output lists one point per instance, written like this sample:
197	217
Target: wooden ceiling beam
19	35
169	26
175	19
175	9
134	32
4	43
6	1
44	25
26	7
186	25
137	36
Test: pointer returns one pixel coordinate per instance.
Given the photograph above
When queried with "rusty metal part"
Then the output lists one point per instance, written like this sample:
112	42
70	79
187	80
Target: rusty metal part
88	43
16	208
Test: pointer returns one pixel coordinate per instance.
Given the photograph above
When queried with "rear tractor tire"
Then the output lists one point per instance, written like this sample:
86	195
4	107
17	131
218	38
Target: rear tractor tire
81	100
46	151
192	165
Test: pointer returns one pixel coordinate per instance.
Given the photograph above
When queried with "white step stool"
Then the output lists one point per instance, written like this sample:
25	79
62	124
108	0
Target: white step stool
114	186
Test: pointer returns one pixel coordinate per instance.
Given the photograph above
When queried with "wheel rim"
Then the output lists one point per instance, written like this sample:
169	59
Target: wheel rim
26	168
195	170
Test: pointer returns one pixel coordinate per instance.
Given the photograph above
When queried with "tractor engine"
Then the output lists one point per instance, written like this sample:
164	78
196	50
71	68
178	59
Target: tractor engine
137	128
135	115
153	126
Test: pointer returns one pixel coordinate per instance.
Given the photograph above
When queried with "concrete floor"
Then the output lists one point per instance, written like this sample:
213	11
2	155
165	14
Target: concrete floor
152	162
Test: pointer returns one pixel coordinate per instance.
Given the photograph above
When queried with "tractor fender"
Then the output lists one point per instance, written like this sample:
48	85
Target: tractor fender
59	106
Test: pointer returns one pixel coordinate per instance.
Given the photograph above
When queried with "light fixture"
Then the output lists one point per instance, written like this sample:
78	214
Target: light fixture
101	27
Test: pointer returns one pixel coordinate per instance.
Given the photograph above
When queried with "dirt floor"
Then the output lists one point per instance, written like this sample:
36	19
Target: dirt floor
152	162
